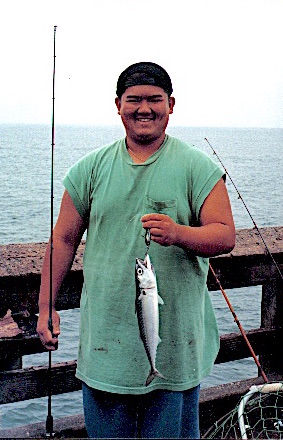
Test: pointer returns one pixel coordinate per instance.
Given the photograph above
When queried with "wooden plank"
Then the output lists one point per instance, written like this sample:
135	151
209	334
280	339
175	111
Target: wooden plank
23	259
30	383
26	259
20	267
12	349
65	427
214	402
234	347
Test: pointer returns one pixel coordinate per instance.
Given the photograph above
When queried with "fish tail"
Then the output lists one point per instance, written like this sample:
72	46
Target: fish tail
152	374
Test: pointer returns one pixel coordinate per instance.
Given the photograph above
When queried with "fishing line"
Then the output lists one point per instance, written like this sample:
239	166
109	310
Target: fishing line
248	211
49	419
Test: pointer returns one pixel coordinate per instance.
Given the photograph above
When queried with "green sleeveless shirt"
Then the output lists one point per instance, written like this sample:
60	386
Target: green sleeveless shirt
113	193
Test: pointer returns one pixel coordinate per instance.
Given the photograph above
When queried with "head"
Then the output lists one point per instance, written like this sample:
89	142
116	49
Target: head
144	102
145	273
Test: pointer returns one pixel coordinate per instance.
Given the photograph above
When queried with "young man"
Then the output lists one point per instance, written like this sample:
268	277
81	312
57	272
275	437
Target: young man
148	180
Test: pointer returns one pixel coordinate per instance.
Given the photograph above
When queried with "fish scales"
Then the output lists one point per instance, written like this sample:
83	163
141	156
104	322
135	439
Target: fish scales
147	301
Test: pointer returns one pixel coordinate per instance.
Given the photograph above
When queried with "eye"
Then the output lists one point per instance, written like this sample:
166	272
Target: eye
155	99
140	271
133	99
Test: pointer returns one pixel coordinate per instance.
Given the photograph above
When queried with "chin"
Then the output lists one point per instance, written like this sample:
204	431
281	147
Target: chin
144	138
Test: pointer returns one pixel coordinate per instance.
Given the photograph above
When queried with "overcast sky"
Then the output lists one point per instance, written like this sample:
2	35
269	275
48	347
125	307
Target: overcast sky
224	58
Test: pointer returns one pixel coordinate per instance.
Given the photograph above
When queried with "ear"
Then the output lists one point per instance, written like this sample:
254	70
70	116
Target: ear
118	104
171	104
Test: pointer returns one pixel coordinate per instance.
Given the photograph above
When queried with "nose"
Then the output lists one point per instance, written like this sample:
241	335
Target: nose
144	107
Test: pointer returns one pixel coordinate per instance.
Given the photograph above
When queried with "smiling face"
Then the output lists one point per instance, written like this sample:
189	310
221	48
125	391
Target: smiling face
145	111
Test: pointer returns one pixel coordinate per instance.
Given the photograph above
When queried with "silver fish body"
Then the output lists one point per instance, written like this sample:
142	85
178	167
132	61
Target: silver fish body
147	301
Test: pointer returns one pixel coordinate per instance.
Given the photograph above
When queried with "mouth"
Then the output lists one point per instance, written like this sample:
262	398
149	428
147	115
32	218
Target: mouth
144	118
140	263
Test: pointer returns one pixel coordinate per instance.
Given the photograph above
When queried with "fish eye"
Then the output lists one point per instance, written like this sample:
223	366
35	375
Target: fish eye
139	271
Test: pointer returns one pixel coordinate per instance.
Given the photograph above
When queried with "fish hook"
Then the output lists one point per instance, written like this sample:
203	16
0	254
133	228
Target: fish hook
147	239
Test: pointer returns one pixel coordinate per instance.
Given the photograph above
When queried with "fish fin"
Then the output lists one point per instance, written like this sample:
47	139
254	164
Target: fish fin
159	339
152	375
160	300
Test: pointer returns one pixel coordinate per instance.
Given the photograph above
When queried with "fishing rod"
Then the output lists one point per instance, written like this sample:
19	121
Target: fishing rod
248	211
218	282
239	325
49	419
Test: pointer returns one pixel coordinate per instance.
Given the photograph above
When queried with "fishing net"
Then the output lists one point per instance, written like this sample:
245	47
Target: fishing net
259	414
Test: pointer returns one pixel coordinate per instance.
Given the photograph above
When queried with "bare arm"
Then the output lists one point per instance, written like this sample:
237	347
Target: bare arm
67	235
215	235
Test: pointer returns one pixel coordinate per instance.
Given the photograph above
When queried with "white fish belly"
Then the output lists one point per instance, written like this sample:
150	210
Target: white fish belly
150	317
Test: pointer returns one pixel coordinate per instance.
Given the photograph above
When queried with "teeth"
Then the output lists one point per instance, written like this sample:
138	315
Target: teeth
144	119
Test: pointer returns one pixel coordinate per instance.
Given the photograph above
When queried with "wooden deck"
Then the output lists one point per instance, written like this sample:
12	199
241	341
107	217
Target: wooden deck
20	268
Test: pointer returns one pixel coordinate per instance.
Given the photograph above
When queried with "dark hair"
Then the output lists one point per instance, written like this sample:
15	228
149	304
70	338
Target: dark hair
144	73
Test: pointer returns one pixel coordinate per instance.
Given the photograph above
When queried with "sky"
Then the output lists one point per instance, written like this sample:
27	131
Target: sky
224	58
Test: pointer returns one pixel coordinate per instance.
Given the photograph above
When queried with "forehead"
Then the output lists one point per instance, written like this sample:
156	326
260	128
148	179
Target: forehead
144	90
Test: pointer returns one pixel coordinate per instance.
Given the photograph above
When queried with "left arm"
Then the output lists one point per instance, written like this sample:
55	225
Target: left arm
214	236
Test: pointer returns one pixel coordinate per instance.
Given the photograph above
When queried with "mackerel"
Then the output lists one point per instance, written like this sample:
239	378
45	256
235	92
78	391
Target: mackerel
147	301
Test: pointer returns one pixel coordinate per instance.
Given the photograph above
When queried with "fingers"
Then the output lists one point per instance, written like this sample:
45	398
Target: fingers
156	221
153	217
162	228
49	338
153	222
49	342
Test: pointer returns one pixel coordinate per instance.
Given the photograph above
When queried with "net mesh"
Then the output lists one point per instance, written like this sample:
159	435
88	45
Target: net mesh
262	416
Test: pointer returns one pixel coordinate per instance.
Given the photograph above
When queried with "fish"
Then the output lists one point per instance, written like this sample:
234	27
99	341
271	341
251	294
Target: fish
147	301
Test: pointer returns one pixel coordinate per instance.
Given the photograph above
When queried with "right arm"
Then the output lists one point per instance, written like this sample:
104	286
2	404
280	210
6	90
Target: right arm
67	235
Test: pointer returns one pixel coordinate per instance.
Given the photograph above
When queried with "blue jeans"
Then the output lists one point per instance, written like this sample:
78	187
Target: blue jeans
158	414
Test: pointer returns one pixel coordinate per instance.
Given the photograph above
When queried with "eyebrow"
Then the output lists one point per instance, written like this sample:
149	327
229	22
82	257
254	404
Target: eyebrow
142	96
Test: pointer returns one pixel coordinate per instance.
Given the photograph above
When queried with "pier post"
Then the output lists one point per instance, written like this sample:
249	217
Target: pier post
272	317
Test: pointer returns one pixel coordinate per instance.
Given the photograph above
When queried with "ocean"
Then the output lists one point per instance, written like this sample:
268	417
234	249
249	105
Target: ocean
253	158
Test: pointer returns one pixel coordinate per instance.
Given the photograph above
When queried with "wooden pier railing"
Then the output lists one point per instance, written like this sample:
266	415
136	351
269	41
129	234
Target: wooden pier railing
20	267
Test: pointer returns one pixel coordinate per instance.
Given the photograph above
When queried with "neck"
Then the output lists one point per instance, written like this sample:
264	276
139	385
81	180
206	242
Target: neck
143	150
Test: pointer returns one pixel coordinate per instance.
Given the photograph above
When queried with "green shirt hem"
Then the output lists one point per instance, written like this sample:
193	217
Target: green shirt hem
141	390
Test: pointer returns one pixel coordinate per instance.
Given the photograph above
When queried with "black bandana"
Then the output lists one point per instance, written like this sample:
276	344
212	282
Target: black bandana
144	73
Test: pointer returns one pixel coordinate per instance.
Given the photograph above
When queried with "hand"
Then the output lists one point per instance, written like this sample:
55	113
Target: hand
48	339
163	229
